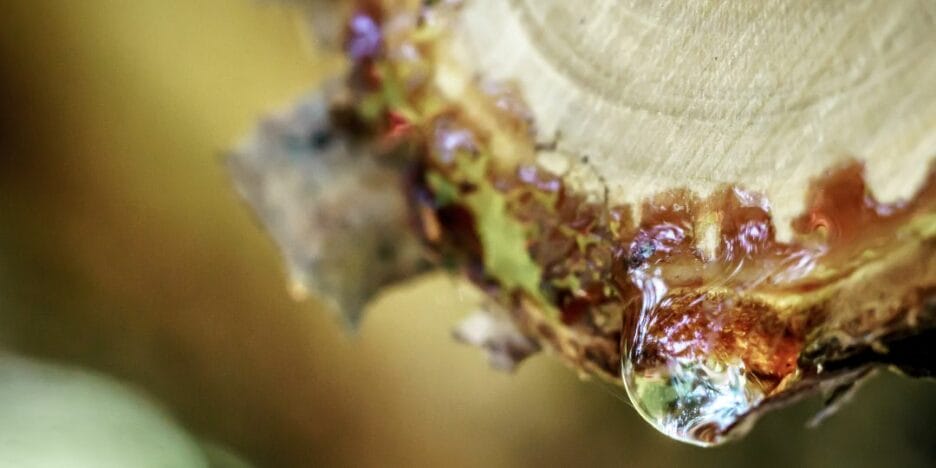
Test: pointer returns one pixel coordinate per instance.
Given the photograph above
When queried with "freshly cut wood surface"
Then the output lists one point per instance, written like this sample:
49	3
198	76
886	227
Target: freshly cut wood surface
670	94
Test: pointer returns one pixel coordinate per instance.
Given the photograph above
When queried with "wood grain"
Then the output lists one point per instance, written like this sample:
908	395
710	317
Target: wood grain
670	94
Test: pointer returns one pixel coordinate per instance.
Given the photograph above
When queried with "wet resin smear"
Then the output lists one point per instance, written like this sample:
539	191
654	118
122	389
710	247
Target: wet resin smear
705	348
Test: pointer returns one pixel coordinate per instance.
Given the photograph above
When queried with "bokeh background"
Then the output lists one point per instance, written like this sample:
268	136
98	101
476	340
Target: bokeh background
123	249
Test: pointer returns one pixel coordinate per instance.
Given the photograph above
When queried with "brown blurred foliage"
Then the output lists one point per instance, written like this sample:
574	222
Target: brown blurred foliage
124	248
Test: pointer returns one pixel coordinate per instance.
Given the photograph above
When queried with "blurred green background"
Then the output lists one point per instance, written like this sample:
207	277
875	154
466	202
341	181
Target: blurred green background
124	249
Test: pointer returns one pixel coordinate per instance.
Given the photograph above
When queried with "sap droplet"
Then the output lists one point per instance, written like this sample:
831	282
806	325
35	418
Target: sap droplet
686	371
695	401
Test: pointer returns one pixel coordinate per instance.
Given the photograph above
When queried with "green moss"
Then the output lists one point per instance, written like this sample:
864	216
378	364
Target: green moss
503	238
504	242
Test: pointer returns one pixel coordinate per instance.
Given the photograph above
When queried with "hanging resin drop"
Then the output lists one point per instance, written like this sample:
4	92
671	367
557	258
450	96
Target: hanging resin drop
682	378
699	354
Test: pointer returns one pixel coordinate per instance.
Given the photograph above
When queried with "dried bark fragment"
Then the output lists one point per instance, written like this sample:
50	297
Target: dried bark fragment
336	212
492	329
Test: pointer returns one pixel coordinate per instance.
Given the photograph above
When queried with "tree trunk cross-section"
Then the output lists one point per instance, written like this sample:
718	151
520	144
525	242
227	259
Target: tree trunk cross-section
697	94
721	206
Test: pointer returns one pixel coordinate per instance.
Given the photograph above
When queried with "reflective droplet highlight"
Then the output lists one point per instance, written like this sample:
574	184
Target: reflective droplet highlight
692	400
